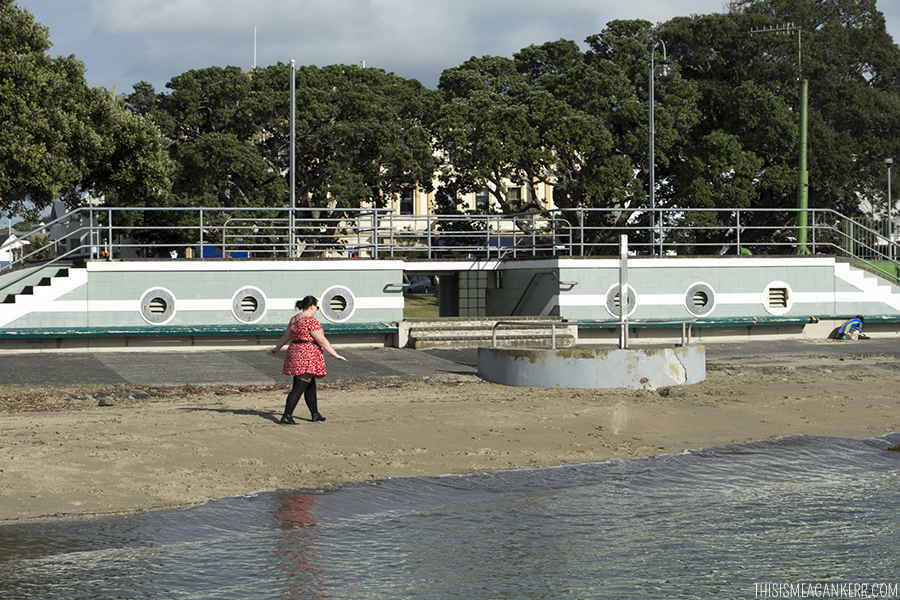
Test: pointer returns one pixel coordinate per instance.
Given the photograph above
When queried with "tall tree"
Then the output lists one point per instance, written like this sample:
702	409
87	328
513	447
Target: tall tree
555	114
746	142
361	134
487	130
742	152
361	137
607	89
61	138
45	138
505	123
217	120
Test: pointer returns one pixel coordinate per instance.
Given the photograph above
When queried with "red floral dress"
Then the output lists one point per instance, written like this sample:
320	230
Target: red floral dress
303	358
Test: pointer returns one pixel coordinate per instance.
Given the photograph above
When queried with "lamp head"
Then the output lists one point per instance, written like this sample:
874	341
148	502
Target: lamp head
889	160
664	71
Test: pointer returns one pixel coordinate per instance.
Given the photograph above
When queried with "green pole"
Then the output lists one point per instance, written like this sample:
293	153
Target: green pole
803	175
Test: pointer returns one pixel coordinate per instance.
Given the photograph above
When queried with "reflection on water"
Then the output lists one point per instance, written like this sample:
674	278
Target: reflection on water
298	546
706	524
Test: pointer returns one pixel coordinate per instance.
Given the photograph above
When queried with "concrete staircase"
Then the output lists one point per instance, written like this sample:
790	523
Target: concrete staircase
29	289
471	332
875	288
32	290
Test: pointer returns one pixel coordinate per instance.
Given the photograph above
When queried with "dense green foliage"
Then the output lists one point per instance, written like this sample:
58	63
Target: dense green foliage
726	127
361	138
61	138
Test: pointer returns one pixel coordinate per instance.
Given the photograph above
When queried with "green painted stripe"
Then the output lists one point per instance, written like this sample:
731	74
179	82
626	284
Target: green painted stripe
733	321
198	330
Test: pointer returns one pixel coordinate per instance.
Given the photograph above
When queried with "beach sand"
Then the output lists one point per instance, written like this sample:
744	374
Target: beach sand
64	456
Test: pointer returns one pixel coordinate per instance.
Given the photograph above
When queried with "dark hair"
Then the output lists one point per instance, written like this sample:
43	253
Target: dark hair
306	303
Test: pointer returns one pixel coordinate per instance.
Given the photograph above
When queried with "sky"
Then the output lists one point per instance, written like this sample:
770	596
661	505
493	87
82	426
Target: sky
122	42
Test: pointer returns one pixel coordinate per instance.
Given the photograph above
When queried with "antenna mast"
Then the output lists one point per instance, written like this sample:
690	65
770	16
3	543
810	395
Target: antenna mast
803	172
789	28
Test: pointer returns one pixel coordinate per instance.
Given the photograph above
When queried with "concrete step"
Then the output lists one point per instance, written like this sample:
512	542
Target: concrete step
468	333
464	323
484	342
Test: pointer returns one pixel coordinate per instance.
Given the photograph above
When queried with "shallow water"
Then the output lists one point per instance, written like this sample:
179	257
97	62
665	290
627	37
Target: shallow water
707	524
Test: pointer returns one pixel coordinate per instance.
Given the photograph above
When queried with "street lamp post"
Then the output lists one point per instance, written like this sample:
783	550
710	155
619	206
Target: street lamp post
664	70
889	160
293	177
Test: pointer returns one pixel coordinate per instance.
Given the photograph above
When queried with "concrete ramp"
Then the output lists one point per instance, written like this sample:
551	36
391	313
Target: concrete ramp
645	368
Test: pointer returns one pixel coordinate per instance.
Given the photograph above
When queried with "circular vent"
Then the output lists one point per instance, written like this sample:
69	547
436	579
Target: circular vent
338	304
157	306
613	300
700	299
248	305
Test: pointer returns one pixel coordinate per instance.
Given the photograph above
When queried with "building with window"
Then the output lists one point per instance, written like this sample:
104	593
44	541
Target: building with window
10	246
418	203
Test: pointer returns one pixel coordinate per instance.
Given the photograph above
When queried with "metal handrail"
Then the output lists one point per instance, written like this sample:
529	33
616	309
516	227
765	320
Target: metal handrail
551	324
114	233
527	289
686	326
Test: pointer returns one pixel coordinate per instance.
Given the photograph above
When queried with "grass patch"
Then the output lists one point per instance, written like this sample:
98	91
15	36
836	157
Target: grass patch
887	268
420	306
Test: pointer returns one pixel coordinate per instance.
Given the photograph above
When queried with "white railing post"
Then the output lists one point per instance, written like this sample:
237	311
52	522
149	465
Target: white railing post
109	236
623	292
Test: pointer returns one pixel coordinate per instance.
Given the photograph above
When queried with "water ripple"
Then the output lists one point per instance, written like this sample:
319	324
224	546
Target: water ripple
702	524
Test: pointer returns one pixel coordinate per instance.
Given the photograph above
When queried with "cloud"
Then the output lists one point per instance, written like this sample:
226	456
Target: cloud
417	39
124	41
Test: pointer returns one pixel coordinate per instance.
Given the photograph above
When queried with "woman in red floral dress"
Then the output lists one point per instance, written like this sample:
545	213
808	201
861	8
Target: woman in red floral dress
304	359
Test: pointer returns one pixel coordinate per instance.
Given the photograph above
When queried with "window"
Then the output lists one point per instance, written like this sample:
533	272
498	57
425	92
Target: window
407	205
483	200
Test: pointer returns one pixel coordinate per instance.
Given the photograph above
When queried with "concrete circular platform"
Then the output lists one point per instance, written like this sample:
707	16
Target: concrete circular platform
644	368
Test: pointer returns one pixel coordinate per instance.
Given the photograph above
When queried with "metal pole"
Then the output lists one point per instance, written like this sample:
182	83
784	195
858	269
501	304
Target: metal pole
652	158
665	77
803	176
623	292
293	160
581	231
890	218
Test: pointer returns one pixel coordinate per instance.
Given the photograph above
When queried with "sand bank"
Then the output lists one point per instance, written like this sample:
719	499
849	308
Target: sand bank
65	456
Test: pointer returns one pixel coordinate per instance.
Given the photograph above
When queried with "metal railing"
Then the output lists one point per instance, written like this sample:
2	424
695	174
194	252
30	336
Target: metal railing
254	233
686	326
528	287
528	324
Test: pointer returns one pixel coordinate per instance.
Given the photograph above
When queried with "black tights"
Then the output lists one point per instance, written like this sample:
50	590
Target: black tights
307	389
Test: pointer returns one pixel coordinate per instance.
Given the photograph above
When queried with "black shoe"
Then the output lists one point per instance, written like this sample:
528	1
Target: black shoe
287	420
317	417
